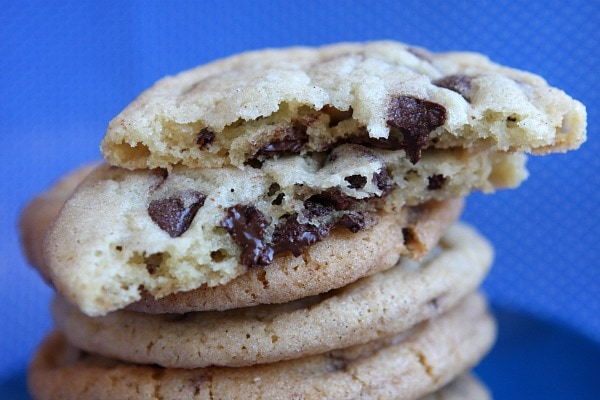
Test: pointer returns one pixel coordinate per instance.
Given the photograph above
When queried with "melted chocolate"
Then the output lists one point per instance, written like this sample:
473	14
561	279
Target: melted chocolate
382	180
172	214
332	198
416	119
247	226
356	181
294	237
290	140
392	142
354	222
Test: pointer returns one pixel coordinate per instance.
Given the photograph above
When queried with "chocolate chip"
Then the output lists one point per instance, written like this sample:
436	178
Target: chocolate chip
382	181
459	83
290	139
314	208
175	214
356	181
254	163
204	138
247	226
278	200
294	237
274	188
436	182
416	119
392	142
332	198
353	221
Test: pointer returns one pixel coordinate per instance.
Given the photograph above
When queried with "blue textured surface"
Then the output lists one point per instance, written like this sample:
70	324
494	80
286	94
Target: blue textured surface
68	67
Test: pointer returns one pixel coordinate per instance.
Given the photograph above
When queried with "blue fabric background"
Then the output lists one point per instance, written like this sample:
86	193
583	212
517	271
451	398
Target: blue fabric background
66	68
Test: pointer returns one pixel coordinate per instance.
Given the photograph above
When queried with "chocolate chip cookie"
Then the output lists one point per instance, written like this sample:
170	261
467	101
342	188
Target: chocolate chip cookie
261	105
376	306
124	234
405	366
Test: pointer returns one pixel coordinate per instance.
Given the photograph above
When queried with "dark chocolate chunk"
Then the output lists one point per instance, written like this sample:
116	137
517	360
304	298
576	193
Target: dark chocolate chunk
459	83
247	226
254	163
353	221
332	198
314	208
175	214
290	139
416	119
392	142
274	188
277	201
356	181
436	182
382	180
204	138
294	237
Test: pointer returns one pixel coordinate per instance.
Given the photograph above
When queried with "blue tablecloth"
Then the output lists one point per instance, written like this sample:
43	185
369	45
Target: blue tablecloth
68	67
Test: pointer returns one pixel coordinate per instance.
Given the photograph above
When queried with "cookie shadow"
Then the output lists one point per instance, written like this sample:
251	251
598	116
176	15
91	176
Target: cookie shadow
15	387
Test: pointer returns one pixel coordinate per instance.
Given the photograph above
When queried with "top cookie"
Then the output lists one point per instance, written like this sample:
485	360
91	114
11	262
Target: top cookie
263	104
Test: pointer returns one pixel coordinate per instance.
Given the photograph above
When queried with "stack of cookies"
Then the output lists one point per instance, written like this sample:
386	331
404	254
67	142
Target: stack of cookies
282	224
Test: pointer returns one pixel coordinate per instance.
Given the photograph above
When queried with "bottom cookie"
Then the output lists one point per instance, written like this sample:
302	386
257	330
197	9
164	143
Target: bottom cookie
406	366
465	387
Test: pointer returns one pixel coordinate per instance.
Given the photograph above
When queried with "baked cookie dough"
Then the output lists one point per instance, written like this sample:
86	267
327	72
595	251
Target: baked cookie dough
281	281
406	366
380	305
124	233
39	213
175	231
259	105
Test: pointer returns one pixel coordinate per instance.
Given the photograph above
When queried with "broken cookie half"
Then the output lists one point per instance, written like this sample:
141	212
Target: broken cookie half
383	95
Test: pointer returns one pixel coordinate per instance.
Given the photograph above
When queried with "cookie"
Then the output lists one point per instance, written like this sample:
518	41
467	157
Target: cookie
124	233
295	278
39	213
380	305
465	387
279	282
175	231
405	366
259	105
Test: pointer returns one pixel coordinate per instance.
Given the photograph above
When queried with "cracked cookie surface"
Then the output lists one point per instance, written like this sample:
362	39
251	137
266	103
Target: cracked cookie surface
260	105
